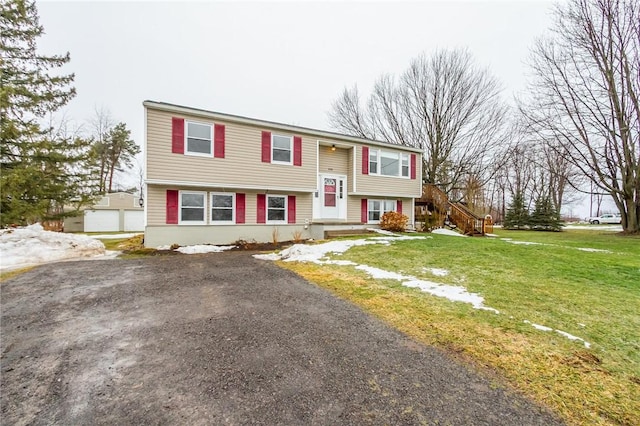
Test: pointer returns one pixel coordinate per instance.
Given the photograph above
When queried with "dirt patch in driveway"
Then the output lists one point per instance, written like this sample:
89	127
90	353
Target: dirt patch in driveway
220	339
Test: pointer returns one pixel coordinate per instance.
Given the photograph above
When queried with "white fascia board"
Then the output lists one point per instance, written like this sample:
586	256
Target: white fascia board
187	184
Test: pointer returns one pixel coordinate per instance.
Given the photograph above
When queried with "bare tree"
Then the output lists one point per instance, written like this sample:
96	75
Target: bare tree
585	97
445	105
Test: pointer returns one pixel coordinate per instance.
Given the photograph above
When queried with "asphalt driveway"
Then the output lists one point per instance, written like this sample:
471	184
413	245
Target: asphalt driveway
220	339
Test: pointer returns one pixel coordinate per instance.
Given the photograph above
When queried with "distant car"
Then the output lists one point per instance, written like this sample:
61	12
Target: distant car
605	218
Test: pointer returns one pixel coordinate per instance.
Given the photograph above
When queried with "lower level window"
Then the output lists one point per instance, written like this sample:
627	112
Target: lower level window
276	208
379	207
192	209
222	208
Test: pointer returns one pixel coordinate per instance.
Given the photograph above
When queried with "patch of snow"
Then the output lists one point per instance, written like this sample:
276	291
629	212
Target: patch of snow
594	250
163	248
506	239
442	231
581	325
611	228
203	248
112	236
562	333
572	337
538	326
490	235
525	243
32	245
268	256
380	274
450	292
437	271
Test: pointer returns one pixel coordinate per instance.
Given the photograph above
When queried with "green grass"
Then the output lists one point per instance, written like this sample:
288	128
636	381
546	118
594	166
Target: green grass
592	295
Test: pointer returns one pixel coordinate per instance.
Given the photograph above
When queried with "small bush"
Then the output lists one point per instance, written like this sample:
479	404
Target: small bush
297	236
394	222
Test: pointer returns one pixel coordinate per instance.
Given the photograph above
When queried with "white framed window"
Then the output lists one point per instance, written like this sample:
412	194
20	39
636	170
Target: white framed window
373	162
377	208
404	168
276	209
222	208
198	139
388	163
281	149
192	208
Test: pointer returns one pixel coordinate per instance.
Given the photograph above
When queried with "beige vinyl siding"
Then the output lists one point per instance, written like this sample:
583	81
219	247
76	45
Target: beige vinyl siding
119	200
383	186
156	210
336	162
354	206
242	165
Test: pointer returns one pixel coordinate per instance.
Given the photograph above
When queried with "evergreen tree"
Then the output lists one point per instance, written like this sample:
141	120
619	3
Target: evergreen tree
119	150
517	216
41	168
545	217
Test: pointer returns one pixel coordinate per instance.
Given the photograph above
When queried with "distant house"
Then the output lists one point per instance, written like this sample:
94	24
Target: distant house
118	211
218	178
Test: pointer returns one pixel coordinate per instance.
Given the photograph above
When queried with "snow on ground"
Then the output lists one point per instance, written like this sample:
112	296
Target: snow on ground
523	243
562	333
594	250
611	228
442	231
32	245
437	271
203	248
318	254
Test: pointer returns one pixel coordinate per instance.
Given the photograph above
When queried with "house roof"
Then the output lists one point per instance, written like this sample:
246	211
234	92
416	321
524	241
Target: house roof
163	106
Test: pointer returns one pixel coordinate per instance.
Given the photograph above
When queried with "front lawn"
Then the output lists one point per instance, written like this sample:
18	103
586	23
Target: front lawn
584	283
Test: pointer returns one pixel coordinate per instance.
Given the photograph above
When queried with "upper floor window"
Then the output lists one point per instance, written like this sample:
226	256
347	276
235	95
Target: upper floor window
192	210
222	208
388	163
281	149
373	161
198	139
405	170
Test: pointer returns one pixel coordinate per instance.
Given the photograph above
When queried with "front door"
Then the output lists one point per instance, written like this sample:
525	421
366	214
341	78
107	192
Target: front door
333	199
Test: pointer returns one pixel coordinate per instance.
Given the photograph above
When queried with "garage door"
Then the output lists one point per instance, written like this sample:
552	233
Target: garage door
101	221
133	220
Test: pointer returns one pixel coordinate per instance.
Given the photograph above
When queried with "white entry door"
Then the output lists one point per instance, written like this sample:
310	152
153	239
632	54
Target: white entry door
333	197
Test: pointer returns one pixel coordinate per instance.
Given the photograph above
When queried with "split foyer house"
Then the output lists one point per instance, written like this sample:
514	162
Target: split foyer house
218	178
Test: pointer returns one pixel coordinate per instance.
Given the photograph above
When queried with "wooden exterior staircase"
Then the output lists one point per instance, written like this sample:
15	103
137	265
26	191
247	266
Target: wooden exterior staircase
454	215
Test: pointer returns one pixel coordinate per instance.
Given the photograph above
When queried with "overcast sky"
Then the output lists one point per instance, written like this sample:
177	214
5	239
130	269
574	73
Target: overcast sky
279	61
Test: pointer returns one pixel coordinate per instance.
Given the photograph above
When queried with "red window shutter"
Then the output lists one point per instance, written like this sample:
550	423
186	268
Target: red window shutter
172	207
266	147
364	211
399	206
177	135
297	151
291	209
218	142
262	209
413	166
240	208
365	160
